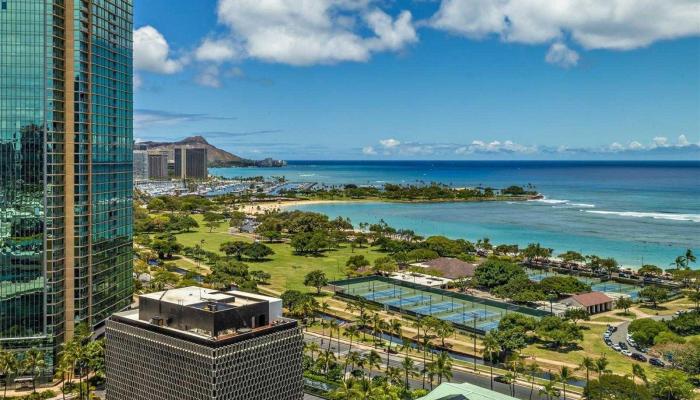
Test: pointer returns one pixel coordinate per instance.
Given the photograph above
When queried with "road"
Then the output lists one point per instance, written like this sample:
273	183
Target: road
621	334
458	376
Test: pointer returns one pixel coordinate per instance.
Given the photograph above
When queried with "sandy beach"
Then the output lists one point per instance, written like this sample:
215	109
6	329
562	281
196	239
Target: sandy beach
261	208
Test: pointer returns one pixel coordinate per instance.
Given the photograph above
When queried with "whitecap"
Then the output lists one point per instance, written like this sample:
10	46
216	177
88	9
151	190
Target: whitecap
582	205
654	215
550	201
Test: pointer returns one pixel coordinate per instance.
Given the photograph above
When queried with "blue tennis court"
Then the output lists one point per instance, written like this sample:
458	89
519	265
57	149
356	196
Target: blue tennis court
448	306
470	316
488	326
382	294
408	301
431	309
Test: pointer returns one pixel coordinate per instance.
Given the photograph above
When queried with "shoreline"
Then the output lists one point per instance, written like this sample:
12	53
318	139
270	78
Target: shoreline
277	205
282	205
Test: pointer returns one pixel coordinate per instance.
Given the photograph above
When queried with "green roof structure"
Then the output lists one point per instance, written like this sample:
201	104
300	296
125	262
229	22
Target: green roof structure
464	391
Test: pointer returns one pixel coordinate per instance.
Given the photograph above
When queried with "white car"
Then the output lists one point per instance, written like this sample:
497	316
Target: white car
627	353
616	347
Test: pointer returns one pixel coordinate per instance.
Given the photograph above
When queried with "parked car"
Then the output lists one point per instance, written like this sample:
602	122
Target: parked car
639	357
627	353
608	342
657	362
617	347
623	346
502	379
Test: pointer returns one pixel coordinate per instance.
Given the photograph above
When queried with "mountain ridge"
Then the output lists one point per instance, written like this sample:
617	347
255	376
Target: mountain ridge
216	157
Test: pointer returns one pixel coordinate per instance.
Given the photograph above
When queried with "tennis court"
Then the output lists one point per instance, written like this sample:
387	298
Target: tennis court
471	312
610	287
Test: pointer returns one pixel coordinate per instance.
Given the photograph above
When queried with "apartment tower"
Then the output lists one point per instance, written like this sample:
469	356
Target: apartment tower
201	344
66	154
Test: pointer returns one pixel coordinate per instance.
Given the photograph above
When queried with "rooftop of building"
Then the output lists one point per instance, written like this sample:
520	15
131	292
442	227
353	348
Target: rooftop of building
207	316
591	299
195	296
451	268
464	391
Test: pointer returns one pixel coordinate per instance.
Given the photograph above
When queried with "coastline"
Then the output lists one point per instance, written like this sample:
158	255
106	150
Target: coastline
278	205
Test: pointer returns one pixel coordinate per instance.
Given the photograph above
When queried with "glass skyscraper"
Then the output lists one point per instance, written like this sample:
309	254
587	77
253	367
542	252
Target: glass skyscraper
66	181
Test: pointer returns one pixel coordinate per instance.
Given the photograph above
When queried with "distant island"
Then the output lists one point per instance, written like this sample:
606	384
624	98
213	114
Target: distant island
216	157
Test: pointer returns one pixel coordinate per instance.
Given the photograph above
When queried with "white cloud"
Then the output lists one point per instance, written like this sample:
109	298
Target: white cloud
593	24
660	141
215	50
152	52
561	55
659	146
209	76
389	143
635	145
308	32
369	151
138	82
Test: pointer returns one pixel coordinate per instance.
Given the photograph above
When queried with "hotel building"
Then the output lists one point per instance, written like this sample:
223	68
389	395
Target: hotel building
191	163
199	344
66	156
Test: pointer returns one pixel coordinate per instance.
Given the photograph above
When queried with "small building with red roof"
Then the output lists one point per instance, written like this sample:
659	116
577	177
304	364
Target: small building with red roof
593	302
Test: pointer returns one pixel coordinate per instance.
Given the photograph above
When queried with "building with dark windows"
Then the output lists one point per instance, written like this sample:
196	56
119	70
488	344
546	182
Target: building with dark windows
191	162
158	164
140	165
198	344
66	158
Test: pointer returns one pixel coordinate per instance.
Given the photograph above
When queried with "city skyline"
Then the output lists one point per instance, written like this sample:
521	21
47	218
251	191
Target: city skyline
429	80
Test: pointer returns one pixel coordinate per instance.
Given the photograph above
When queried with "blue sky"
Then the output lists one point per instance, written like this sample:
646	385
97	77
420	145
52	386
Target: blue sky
422	79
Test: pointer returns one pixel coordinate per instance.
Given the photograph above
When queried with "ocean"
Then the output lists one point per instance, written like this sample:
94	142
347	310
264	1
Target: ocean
637	212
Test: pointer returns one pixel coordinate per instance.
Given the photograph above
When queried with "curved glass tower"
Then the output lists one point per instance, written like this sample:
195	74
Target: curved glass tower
65	167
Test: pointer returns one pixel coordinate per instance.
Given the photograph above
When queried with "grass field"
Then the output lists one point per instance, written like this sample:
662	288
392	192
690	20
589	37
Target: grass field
287	269
593	346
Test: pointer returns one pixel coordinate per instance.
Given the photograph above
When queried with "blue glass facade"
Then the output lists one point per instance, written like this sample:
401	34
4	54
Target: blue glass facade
65	166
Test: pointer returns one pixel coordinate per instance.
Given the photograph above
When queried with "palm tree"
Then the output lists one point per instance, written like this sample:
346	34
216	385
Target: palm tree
312	347
531	370
491	346
409	369
406	345
345	390
549	390
588	364
353	358
638	372
351	332
565	374
601	366
393	375
444	330
326	358
443	367
34	363
332	324
9	366
363	320
377	328
373	359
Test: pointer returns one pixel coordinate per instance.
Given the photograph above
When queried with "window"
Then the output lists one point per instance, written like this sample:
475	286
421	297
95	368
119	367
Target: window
4	5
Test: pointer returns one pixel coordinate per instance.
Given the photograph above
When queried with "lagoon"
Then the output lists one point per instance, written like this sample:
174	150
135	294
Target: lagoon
637	212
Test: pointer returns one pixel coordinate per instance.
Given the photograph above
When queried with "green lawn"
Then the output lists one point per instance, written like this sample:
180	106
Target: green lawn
287	269
591	346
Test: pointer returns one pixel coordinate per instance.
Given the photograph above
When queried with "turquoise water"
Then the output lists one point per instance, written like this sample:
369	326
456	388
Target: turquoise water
634	211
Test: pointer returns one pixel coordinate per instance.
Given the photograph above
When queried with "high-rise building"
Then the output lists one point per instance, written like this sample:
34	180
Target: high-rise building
158	164
66	119
191	162
140	165
197	344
